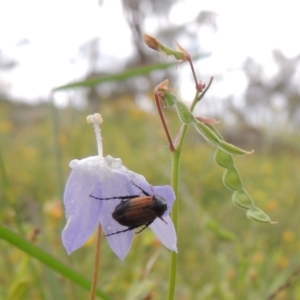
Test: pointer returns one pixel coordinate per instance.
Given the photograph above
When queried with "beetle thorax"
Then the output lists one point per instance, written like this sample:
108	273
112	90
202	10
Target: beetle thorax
160	205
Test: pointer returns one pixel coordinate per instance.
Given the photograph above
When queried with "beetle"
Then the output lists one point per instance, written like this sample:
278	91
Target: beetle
137	210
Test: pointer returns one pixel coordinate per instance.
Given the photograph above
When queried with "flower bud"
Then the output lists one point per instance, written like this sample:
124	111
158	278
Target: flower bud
179	54
152	42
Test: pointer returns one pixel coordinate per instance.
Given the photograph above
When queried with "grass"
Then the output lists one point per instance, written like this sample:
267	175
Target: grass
222	254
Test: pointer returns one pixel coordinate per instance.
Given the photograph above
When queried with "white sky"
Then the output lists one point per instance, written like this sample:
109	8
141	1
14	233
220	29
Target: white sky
57	28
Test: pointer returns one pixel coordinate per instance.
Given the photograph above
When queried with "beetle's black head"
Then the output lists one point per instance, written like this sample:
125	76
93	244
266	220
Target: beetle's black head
160	205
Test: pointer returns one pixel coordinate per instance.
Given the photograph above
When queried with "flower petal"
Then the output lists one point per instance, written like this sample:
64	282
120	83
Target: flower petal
165	232
117	184
120	243
82	212
139	183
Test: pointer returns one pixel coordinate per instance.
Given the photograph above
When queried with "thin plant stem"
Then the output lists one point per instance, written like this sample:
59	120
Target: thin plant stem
171	146
202	94
193	71
96	263
174	215
174	183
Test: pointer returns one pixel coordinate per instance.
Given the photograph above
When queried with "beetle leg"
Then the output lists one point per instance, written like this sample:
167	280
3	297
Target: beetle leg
140	189
144	227
121	231
163	219
130	228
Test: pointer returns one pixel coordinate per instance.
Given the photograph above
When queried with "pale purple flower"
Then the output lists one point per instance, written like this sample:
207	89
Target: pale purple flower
106	177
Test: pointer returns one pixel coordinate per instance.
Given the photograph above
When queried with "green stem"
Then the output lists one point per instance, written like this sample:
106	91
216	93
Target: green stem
193	71
174	183
174	215
175	179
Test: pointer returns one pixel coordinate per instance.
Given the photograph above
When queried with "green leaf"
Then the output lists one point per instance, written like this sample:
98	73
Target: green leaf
123	75
184	113
169	98
97	80
47	259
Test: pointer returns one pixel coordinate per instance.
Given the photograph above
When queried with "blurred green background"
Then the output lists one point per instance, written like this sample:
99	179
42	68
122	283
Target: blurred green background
222	254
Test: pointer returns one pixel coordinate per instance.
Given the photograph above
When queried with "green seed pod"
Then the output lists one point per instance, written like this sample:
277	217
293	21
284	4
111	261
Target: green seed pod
215	131
257	214
231	149
223	159
207	133
242	199
231	179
